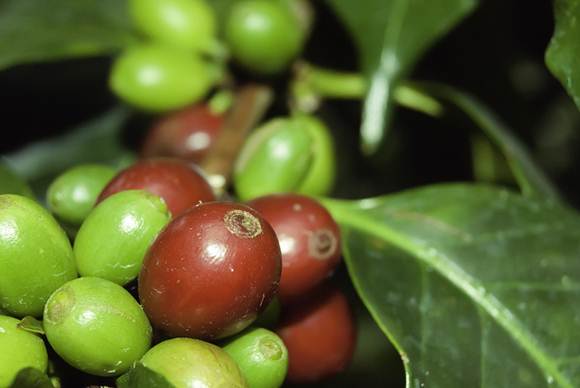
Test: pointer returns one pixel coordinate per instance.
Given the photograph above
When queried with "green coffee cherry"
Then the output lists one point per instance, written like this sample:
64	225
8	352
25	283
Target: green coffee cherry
286	155
113	240
263	35
35	256
72	195
19	349
160	78
187	362
261	356
189	24
96	326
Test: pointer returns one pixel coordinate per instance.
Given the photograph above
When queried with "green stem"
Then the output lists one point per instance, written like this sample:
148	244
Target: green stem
313	83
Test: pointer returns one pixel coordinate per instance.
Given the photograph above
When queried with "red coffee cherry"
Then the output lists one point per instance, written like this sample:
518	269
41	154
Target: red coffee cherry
320	335
177	182
309	240
185	134
210	272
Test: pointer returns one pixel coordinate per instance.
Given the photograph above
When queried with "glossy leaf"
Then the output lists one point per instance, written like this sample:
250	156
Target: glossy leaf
142	377
563	53
32	325
48	30
391	35
97	141
475	286
530	177
31	378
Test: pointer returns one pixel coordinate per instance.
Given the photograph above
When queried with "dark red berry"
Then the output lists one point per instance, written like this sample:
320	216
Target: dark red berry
185	134
320	335
179	183
309	240
210	272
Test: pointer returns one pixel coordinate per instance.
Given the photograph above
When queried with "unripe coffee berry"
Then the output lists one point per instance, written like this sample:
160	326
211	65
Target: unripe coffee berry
263	36
35	256
159	78
309	240
210	272
320	336
72	195
261	356
19	349
188	24
187	134
186	363
96	326
286	155
179	184
112	242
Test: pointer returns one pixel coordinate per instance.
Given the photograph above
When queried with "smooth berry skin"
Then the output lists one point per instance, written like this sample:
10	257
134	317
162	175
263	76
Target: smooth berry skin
210	272
320	335
113	240
261	356
178	183
187	362
19	349
159	78
36	257
188	24
263	36
72	195
96	326
309	240
187	134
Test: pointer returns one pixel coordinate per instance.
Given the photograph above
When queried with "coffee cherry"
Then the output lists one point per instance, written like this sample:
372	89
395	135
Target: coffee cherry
179	184
35	256
286	155
112	242
96	326
159	78
261	356
309	240
188	24
320	335
19	349
186	134
210	272
72	195
263	36
187	362
270	316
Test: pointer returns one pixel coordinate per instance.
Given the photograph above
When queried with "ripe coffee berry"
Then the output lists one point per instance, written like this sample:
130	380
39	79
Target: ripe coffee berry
320	336
210	272
309	240
177	182
186	134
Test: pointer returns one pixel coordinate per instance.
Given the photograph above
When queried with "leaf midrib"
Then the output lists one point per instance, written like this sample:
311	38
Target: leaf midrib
454	274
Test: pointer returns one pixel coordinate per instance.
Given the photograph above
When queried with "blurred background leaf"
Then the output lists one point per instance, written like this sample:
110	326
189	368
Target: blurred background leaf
390	36
474	285
48	30
563	53
10	183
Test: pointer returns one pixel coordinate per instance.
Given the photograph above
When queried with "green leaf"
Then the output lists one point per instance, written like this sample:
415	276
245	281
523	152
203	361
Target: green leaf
48	30
10	183
563	53
31	378
32	325
527	173
474	285
97	141
391	35
142	377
